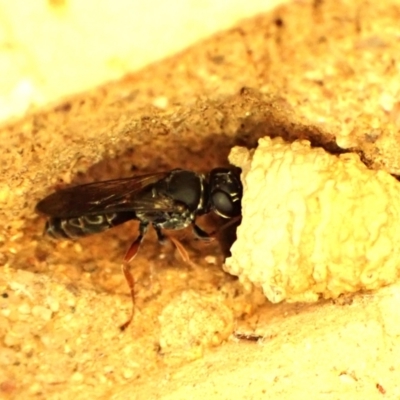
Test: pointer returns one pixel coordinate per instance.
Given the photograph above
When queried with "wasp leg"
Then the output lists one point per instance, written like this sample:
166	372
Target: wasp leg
161	238
202	235
129	256
134	247
231	222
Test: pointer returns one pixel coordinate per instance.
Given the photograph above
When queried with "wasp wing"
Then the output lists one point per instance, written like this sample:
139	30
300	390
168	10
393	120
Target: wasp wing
118	195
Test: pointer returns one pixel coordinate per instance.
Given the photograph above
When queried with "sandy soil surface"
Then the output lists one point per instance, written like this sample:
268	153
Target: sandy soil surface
326	71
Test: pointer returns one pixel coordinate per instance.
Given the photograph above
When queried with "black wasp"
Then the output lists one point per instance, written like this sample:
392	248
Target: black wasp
166	200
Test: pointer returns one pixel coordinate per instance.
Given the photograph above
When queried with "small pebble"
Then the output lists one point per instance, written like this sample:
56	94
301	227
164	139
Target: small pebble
127	373
77	377
24	308
53	304
42	312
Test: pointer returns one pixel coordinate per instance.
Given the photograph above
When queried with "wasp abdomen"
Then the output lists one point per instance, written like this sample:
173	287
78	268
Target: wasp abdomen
72	228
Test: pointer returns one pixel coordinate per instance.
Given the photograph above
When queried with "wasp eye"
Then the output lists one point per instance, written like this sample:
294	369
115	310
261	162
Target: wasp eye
223	204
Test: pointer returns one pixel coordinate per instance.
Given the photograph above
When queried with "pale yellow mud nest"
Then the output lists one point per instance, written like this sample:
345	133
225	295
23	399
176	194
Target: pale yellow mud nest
314	224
